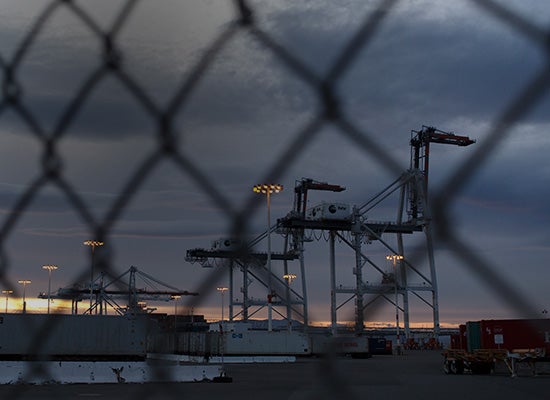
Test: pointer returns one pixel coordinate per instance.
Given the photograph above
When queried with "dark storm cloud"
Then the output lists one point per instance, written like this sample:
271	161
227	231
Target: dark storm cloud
109	117
233	92
442	70
45	202
518	182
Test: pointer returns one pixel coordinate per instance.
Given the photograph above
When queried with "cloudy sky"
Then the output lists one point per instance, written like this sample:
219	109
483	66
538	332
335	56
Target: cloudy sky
455	66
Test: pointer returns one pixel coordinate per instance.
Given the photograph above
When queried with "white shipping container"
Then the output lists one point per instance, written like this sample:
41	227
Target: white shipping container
329	211
266	343
340	344
73	335
226	244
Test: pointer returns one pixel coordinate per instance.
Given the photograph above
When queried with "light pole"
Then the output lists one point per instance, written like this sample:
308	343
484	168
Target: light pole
267	189
222	290
49	268
93	244
24	282
288	278
394	258
175	297
7	293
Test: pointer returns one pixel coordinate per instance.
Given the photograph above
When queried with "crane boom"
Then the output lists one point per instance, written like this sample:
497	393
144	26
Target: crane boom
420	150
305	184
420	144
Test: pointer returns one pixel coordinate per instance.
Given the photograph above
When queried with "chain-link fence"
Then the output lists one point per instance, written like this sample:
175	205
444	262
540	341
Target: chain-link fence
168	143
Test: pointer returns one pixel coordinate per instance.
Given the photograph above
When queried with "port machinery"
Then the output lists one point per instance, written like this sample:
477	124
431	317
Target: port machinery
351	226
109	293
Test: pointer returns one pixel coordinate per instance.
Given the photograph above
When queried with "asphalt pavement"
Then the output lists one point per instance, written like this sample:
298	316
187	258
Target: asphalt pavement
415	375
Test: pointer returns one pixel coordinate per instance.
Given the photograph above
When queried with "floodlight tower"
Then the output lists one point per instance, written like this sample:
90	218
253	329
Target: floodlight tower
49	268
24	282
394	258
222	290
268	189
7	292
93	244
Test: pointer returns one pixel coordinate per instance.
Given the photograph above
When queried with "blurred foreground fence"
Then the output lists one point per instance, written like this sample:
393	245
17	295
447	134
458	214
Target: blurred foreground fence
166	146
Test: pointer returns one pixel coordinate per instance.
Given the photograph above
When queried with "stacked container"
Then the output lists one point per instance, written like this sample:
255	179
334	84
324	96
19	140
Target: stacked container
508	334
516	334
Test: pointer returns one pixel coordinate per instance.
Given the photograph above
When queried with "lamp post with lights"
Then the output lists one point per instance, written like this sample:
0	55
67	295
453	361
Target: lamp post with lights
7	293
394	258
288	278
93	244
24	282
222	290
175	297
268	189
49	268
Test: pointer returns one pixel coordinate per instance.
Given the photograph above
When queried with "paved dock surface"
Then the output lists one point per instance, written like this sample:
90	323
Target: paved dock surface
416	375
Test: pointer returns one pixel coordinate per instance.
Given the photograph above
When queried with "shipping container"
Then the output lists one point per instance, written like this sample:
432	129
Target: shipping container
329	211
455	342
473	335
380	346
459	341
265	343
516	334
463	337
58	336
352	345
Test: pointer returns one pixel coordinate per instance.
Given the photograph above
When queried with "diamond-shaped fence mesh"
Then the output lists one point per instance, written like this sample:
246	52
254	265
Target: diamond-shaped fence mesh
50	134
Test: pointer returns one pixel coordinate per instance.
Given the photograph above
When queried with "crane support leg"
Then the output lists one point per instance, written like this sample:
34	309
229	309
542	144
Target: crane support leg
333	322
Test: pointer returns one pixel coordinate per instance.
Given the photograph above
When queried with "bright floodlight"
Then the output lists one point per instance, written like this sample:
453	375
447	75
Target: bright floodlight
394	257
289	277
268	188
93	243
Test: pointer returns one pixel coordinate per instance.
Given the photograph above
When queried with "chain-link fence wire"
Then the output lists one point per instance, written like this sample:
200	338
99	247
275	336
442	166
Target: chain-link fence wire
167	135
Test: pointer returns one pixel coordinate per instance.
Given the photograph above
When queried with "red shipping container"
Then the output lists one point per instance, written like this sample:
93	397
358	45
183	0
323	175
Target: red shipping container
463	337
455	341
459	341
514	334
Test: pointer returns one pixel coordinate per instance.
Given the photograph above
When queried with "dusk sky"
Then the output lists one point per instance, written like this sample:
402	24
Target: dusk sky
452	65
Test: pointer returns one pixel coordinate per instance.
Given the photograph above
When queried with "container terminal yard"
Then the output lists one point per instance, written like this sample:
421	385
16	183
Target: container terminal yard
134	344
415	375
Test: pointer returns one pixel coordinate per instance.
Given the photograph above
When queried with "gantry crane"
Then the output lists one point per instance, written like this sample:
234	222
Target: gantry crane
252	263
107	293
415	218
412	217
